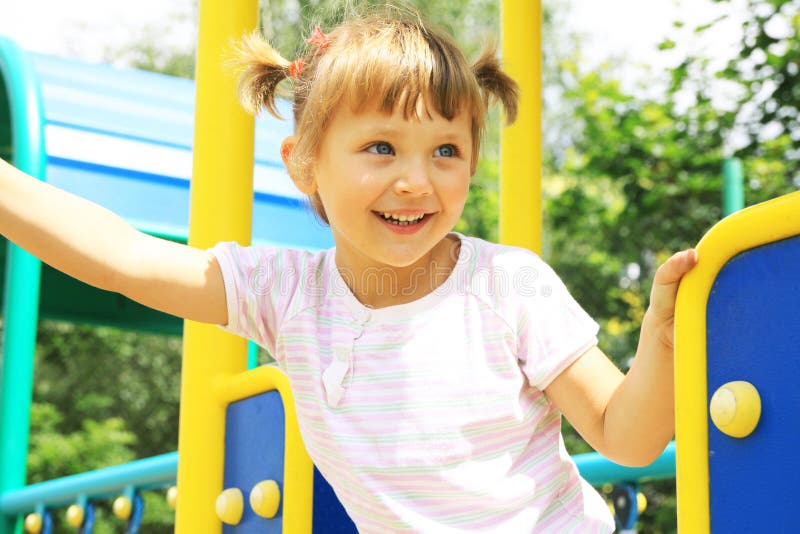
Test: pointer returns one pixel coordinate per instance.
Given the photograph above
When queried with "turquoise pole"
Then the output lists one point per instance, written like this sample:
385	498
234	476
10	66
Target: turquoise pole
252	355
732	186
597	470
159	471
21	306
148	473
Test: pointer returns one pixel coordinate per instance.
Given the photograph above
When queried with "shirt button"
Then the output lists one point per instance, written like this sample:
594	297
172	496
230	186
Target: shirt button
362	316
341	355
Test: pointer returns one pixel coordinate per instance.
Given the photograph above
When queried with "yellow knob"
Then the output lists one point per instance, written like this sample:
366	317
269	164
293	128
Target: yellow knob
122	507
33	523
736	408
230	505
172	496
75	515
641	502
265	497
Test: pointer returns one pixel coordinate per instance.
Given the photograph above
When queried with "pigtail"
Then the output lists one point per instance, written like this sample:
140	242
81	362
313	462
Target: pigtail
496	84
261	69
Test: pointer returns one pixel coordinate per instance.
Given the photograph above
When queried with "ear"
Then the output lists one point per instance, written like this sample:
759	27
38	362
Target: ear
305	184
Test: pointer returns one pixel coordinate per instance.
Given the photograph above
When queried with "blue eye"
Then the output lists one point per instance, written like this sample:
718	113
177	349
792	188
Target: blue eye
447	151
381	148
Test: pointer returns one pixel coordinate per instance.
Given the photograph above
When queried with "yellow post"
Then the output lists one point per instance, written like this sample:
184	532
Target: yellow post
521	144
221	209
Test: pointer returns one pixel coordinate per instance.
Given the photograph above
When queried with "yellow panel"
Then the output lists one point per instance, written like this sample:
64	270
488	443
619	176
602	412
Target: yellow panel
744	230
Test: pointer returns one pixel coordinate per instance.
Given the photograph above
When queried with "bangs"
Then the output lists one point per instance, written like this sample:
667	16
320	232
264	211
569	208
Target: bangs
399	68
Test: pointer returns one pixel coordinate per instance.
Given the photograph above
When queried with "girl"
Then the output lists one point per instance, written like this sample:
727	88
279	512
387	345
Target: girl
430	369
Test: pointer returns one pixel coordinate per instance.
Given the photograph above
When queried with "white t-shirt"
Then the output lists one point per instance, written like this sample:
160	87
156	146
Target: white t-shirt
428	416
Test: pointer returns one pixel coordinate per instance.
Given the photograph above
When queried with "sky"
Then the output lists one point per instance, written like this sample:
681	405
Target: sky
87	28
635	27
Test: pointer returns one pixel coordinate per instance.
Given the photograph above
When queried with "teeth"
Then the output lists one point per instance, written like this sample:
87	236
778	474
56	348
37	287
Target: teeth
402	218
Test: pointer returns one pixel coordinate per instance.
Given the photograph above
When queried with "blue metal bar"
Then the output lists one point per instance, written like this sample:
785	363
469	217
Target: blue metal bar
149	473
160	471
597	470
135	521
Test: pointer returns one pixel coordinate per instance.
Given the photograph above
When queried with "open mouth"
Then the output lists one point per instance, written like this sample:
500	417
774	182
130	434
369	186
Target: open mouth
402	220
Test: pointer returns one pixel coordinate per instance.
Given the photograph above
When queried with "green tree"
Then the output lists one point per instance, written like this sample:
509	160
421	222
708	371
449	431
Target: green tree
103	397
766	71
640	175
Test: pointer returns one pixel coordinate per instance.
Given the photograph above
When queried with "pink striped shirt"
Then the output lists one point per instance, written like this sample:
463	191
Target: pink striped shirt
428	416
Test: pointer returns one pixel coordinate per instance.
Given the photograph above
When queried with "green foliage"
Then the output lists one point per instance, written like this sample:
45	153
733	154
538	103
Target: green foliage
766	70
103	397
102	373
286	23
640	176
148	52
149	56
57	453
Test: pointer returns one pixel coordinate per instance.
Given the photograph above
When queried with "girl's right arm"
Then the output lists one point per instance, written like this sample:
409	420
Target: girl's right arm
96	246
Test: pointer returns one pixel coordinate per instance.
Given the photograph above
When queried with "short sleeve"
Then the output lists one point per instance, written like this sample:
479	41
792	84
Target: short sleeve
553	331
260	285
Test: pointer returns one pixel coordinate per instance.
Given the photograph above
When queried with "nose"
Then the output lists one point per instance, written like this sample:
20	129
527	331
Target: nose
415	179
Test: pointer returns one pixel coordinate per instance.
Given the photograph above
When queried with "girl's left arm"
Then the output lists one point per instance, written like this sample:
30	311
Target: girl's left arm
629	419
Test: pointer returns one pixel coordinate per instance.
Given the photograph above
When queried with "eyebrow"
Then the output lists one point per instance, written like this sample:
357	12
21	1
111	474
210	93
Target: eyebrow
383	130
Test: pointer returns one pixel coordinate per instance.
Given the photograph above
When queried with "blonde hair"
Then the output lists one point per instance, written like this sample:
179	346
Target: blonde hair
388	56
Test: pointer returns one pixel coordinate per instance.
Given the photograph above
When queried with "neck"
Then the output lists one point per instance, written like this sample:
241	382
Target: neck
390	286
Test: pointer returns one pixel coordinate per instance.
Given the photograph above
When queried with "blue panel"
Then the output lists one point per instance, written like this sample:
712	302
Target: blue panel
121	101
329	516
137	104
753	335
156	112
143	200
161	204
254	451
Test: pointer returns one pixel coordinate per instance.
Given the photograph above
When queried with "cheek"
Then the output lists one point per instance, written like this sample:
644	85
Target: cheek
460	190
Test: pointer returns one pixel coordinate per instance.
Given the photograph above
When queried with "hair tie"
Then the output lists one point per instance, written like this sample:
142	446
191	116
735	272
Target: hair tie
295	67
319	38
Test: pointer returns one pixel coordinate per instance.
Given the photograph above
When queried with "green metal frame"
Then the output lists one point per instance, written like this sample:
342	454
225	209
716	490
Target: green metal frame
732	186
23	100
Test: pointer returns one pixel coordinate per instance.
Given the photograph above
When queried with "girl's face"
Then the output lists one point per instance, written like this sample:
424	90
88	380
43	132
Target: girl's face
372	164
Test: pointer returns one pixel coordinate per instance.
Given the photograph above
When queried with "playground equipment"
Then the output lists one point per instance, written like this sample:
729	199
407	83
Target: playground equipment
123	139
738	344
95	131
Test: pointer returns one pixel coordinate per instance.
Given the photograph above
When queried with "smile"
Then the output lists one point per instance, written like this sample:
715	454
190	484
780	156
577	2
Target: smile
402	220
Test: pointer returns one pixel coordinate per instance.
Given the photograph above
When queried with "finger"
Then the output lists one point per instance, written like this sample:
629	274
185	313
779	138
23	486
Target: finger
675	267
667	280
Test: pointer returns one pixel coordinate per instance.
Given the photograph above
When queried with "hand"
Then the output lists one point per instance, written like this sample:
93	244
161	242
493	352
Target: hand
664	292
